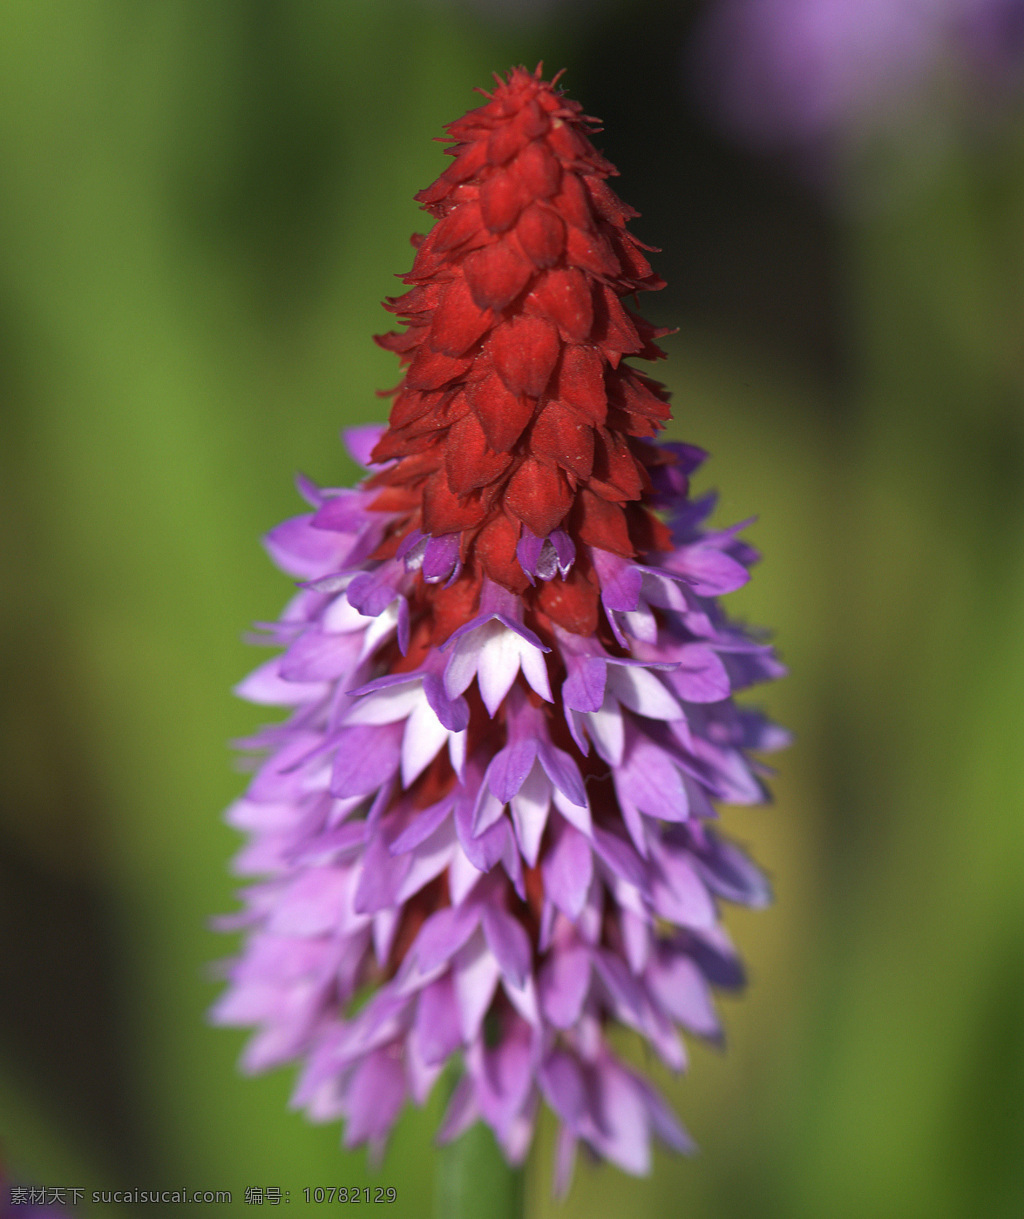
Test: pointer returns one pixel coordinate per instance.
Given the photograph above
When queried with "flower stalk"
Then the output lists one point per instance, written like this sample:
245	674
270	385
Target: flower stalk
472	1176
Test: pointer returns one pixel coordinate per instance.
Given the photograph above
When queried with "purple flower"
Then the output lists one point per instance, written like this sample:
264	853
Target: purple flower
485	831
802	72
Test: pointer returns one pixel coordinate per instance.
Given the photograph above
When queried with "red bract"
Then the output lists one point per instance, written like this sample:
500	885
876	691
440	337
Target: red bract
516	411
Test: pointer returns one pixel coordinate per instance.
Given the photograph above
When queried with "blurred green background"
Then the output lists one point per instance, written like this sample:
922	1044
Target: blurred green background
202	203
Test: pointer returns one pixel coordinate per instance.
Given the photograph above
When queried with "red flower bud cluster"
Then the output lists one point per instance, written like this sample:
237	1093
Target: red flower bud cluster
516	410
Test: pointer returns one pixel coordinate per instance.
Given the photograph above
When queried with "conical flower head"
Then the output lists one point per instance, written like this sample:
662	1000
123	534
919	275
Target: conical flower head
511	689
516	418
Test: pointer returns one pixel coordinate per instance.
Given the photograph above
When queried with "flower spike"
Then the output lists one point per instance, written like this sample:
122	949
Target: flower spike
511	688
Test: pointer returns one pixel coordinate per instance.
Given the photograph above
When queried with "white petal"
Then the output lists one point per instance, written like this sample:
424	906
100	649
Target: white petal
660	590
636	938
266	686
385	924
379	628
627	896
488	809
525	1000
530	812
462	664
641	691
535	669
386	706
457	751
605	728
499	664
424	736
641	624
462	876
342	617
579	817
476	977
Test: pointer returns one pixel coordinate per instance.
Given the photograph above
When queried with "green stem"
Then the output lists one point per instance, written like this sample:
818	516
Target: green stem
473	1179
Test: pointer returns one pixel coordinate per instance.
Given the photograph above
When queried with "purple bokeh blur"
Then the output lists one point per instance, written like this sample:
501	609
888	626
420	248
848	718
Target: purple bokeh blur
783	74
